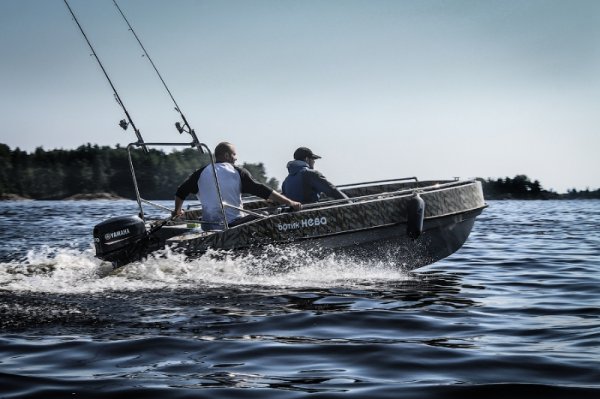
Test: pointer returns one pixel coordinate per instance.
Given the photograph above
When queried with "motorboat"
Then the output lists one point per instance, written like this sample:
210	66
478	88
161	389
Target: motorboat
404	221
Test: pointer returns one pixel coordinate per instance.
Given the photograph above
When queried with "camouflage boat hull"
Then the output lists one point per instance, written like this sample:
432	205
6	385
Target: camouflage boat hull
372	226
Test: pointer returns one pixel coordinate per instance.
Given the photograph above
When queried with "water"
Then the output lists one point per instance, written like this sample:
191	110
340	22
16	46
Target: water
515	312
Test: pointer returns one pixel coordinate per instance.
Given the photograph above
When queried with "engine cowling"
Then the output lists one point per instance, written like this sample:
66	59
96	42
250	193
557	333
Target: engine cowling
114	238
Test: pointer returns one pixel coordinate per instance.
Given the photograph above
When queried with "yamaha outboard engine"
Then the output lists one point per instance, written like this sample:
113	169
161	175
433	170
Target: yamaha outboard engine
120	240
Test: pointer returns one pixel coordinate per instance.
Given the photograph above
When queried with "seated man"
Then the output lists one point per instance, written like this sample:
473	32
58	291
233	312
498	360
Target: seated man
303	183
233	181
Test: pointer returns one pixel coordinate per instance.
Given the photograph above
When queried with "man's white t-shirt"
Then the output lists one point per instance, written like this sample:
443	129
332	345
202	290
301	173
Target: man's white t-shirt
230	184
233	181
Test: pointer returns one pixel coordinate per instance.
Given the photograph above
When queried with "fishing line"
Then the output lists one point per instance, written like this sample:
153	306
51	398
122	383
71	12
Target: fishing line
186	126
122	123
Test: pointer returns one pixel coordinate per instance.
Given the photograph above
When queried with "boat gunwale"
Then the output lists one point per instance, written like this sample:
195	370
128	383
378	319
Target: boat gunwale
367	199
353	201
370	198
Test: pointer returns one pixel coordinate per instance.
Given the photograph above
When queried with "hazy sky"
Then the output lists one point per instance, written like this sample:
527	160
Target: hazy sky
380	89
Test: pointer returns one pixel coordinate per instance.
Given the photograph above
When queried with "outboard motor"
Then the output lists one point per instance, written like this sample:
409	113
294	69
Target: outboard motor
119	239
415	215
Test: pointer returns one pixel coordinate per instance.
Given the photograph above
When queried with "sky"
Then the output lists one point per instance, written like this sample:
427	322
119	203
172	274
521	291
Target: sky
380	89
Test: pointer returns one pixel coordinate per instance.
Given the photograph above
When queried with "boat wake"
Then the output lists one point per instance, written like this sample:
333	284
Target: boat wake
75	271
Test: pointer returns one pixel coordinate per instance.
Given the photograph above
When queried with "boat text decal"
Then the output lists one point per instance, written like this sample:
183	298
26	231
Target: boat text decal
312	222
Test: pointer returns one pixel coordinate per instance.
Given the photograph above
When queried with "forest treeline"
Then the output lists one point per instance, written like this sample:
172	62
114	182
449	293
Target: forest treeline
59	174
91	169
521	187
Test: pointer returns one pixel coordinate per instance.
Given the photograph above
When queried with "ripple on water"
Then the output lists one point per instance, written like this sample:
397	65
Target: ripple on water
513	313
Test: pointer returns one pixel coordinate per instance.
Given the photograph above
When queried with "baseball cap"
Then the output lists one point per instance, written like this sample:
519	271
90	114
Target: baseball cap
305	152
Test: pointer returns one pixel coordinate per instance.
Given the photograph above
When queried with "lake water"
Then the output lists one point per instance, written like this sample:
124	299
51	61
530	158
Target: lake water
515	312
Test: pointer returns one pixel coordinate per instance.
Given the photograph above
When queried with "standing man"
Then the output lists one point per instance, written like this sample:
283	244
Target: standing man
233	181
303	183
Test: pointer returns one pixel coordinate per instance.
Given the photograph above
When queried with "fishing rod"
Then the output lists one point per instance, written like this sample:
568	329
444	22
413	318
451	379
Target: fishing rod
123	123
186	126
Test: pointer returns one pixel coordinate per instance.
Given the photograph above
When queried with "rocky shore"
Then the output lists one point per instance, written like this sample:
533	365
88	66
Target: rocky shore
94	196
13	197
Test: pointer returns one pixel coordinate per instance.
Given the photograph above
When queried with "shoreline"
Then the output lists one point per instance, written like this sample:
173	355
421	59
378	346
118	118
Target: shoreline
75	197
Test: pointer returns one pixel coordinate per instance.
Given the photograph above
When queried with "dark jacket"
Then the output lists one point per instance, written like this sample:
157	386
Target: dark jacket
304	184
